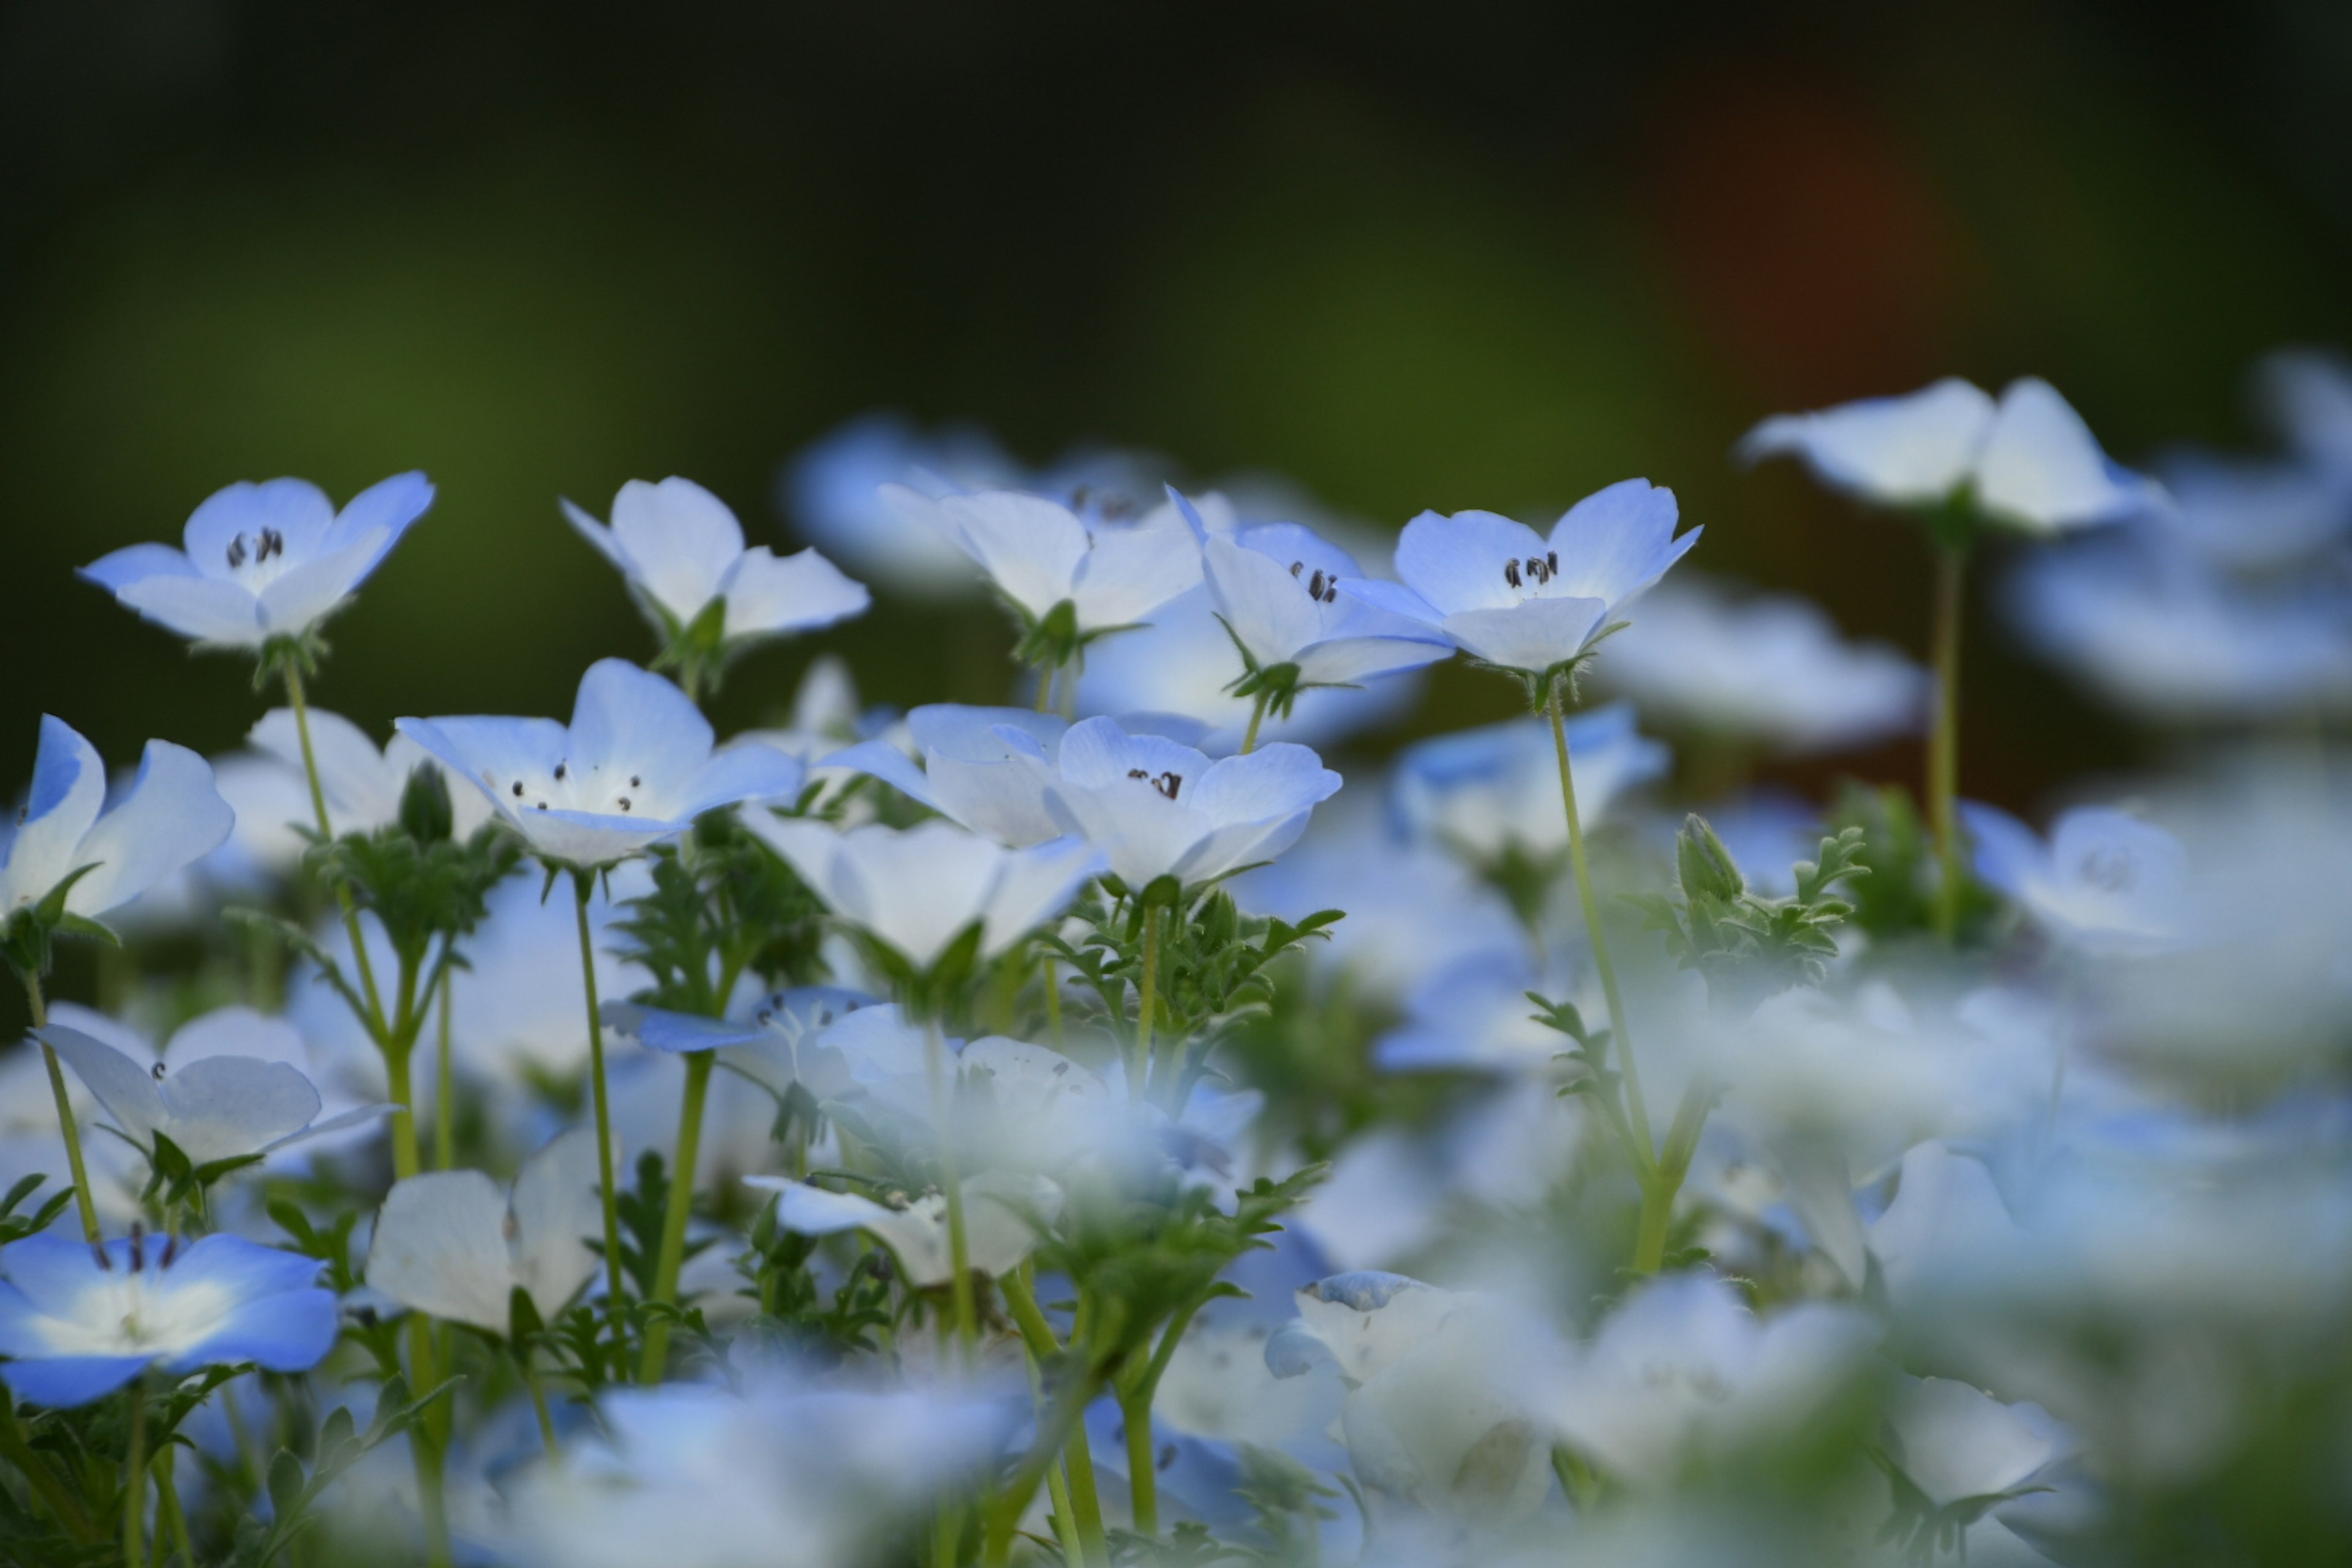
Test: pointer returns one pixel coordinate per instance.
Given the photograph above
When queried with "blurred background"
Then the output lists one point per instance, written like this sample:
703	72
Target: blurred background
1470	255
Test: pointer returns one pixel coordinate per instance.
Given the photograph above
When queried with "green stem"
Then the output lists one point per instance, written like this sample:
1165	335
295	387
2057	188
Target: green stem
1258	717
1661	1185
83	1203
134	1478
167	1490
1138	1070
1620	1035
360	960
1045	687
951	1186
1944	743
538	1408
445	1092
1052	1004
582	884
1142	1471
19	1452
400	1083
681	1208
1084	1499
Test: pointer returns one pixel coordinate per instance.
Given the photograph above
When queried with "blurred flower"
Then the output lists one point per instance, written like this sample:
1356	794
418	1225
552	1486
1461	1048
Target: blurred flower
1041	554
1944	1204
2029	462
1522	601
1960	1446
451	1243
1156	809
1771	670
1003	1211
832	493
363	785
2309	395
2252	516
2106	883
968	773
1485	792
635	766
681	549
1681	1372
170	816
918	890
79	1321
212	1100
1475	1013
263	561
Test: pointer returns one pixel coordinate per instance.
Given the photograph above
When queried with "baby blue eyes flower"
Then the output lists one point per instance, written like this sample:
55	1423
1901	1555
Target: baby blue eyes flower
1484	792
830	491
453	1243
80	1322
1526	602
170	817
1157	808
2106	883
682	551
263	562
2028	461
635	766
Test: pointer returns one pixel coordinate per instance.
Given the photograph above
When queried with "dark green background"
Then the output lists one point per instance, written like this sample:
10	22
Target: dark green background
1443	255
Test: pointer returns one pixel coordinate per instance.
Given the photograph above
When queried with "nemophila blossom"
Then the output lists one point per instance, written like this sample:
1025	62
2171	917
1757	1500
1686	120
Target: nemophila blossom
263	562
1770	670
1291	602
1156	809
1963	1455
2252	516
221	1090
635	766
682	553
968	773
1522	601
1071	578
363	781
1003	1213
2309	395
1486	792
2105	883
917	891
2028	461
79	1321
170	816
452	1243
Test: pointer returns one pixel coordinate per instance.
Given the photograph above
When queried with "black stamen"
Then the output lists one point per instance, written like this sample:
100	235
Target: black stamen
1136	774
1551	560
171	1250
1331	594
624	803
138	1247
158	1072
517	789
1315	584
237	551
1511	573
635	781
1169	784
1295	567
558	771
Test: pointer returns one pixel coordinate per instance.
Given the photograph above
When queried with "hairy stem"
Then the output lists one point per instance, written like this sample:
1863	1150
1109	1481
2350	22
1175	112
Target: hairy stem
582	884
1139	1071
1258	717
83	1203
681	1209
1944	743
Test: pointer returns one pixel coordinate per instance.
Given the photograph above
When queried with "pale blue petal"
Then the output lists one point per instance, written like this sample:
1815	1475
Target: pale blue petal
1456	563
1911	450
174	816
298	510
2008	856
631	721
881	759
118	569
1533	635
69	791
205	609
48	1274
736	773
124	1086
1617	542
69	1381
679	540
314	590
493	754
292	1331
767	594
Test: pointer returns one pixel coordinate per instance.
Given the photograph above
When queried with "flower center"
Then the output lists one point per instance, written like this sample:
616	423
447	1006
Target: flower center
1532	573
570	789
1165	784
258	559
1322	589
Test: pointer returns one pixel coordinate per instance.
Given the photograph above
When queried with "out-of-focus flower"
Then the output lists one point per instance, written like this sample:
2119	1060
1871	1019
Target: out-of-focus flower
1002	1212
2106	882
1041	556
2255	516
1156	809
635	766
363	785
788	1473
968	773
2169	638
2028	461
1521	600
917	891
1475	1013
2309	395
1945	1204
1682	1372
1485	792
263	561
832	492
453	1243
212	1099
79	1321
170	816
1959	1445
1770	670
681	550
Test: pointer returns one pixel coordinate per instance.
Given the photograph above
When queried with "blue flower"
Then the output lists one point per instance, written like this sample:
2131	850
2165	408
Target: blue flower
968	773
2106	882
1520	601
634	767
263	562
832	492
170	817
2028	462
1157	808
453	1243
1482	793
80	1322
680	548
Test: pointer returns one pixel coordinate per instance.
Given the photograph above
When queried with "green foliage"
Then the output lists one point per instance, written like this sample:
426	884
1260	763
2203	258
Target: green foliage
295	1488
1744	944
15	1226
723	906
1898	897
29	939
422	890
796	1312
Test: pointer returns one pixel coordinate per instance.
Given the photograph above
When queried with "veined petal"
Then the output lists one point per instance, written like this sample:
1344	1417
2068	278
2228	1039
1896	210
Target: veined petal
1132	571
289	1331
633	722
173	817
1269	784
736	774
1455	563
125	1087
1346	660
557	1208
1029	547
881	759
1617	542
298	510
1032	886
493	754
440	1247
223	1107
1533	635
390	504
1266	607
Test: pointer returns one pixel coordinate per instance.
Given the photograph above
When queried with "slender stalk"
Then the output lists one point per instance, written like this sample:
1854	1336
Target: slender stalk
20	1452
1618	1033
167	1491
672	1258
1258	717
1662	1183
134	1478
1084	1500
582	884
431	1498
1138	1070
83	1203
1052	1004
1944	743
1045	687
1142	1469
400	1083
951	1185
445	1092
538	1408
1066	1525
360	960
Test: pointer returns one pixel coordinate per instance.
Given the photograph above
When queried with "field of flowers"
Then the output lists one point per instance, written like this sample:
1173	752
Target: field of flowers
1093	1131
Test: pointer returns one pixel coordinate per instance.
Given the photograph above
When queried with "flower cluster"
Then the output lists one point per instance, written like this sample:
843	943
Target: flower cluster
1103	1129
